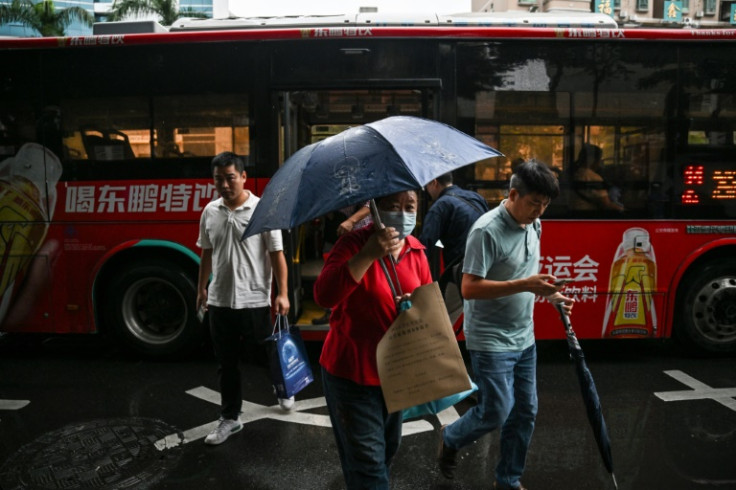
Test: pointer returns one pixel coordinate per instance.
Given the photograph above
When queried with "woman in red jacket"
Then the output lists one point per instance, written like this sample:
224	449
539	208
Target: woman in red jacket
354	285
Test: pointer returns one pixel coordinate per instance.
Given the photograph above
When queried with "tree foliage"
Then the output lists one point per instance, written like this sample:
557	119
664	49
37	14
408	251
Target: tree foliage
167	10
43	16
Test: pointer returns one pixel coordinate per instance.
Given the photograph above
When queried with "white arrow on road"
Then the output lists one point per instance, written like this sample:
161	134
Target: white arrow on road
253	412
700	391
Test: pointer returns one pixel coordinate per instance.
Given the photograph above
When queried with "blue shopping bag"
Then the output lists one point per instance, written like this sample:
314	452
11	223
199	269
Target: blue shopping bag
289	363
436	406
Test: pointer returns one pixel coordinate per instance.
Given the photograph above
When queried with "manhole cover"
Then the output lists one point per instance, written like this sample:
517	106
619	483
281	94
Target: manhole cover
110	454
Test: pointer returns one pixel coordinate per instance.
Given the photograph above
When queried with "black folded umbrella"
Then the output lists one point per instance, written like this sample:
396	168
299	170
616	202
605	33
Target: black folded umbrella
590	396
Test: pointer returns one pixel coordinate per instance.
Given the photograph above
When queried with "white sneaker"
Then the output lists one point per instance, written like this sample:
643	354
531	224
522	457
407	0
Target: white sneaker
286	404
225	428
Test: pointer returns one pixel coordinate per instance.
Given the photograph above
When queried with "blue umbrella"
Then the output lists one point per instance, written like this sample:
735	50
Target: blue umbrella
590	396
361	163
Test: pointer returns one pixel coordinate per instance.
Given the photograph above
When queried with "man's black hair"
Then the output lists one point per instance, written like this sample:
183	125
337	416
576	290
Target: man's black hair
445	179
227	158
535	177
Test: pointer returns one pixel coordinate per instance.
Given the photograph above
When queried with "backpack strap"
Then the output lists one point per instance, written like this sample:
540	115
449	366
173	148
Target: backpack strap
471	203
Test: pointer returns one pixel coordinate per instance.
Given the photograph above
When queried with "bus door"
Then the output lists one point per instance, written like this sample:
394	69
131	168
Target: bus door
306	117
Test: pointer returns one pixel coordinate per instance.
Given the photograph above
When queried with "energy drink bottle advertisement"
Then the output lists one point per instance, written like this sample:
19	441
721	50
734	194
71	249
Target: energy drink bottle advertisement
27	200
630	311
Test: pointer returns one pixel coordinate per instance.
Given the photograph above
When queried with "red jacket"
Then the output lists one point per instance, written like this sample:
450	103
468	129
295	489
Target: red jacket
362	312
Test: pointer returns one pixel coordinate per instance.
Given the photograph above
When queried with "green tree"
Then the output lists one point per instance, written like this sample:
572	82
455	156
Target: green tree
43	16
167	10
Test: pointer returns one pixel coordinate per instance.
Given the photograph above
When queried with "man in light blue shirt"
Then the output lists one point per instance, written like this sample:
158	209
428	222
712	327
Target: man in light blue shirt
500	282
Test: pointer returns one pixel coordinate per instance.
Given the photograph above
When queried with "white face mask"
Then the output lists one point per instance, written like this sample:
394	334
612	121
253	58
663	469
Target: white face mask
404	223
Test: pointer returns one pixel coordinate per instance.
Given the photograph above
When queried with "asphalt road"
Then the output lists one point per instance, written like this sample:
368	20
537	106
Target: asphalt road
77	412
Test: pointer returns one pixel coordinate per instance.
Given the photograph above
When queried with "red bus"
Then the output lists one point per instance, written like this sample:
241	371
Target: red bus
106	140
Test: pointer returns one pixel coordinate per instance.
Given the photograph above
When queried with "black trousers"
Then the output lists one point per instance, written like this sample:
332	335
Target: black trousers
238	335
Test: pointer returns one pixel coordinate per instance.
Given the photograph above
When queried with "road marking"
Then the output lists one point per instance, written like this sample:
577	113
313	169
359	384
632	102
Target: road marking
253	412
700	391
13	404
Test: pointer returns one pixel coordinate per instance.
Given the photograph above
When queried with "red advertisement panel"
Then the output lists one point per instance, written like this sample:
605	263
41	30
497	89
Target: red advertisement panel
625	273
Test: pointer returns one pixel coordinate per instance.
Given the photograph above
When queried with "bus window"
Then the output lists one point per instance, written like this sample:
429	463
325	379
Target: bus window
710	107
201	125
105	129
630	166
122	128
523	125
20	112
712	120
547	107
518	143
17	123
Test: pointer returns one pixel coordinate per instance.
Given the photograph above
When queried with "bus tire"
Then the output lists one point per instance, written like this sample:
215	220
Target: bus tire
708	320
150	307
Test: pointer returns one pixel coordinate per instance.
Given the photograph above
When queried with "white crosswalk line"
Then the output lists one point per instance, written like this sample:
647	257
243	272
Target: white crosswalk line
253	412
13	404
699	391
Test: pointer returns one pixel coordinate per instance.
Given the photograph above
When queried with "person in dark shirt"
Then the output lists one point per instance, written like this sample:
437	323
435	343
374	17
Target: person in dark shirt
449	219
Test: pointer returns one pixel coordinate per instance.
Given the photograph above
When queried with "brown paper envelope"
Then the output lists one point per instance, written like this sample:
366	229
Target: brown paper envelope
418	358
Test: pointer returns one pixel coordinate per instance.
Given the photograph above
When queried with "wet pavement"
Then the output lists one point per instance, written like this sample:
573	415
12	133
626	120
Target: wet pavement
76	412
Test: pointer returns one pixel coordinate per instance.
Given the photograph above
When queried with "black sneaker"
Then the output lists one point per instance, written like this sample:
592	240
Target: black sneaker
447	457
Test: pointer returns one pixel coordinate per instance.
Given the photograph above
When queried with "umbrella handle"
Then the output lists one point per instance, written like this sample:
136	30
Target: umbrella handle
563	316
572	340
388	277
378	225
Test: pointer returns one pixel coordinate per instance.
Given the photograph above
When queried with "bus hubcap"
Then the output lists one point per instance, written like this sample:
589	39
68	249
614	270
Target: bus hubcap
714	312
154	311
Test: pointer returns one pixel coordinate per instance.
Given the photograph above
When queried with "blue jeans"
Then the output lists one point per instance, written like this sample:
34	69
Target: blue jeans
367	436
507	398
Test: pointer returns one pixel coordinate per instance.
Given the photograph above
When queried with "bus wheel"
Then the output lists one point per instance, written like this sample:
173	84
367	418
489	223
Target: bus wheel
709	308
151	308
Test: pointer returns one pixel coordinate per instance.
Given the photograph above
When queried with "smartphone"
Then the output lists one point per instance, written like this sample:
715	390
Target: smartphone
562	282
200	314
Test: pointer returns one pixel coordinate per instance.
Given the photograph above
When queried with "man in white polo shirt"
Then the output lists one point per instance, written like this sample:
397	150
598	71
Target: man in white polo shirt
238	298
